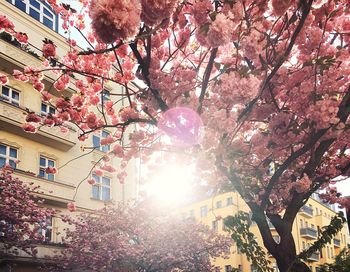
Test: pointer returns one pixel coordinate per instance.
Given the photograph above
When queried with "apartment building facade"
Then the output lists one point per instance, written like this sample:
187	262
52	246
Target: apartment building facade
309	221
49	146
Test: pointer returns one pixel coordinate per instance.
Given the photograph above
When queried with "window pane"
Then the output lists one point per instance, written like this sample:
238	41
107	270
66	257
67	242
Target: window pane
21	5
105	148
95	141
33	13
48	13
15	95
12	163
43	107
96	192
13	153
105	193
2	161
3	149
51	163
48	22
106	181
41	172
42	161
5	91
50	177
105	134
35	3
52	110
96	178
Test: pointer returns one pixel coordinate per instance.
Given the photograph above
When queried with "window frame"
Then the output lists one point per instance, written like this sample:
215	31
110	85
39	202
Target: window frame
40	10
100	185
218	204
46	227
9	98
98	137
7	156
48	108
42	168
203	211
105	96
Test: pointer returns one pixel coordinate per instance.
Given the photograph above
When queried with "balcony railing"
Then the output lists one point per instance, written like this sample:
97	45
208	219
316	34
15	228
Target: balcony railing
307	211
336	242
308	233
315	257
13	116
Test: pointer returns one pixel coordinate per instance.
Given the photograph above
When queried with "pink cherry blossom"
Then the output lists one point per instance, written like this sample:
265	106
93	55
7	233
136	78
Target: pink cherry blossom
71	206
49	50
50	170
28	127
115	19
3	79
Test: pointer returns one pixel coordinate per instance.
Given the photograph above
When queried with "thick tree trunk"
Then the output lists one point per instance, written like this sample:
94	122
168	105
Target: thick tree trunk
286	255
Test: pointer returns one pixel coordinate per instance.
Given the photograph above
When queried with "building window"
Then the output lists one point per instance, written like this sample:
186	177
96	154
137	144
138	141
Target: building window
215	225
106	96
229	201
8	155
96	141
37	10
204	211
328	255
218	204
228	268
45	163
46	109
10	95
101	190
45	229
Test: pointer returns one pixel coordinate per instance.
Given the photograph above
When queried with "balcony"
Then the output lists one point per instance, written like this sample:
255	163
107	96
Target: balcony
12	117
315	257
336	242
308	233
57	192
307	211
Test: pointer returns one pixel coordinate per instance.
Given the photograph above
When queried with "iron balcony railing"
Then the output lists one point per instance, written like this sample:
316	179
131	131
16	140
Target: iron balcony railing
336	242
307	210
308	233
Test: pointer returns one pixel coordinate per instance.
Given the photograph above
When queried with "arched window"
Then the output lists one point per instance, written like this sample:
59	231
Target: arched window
37	10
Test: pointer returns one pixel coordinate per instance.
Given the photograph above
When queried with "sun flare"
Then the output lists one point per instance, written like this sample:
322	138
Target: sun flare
171	184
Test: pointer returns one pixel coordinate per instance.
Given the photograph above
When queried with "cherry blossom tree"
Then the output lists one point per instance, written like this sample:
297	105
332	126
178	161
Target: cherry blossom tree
256	92
21	215
127	238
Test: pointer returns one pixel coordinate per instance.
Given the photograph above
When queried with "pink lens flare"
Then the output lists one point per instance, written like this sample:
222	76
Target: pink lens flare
182	125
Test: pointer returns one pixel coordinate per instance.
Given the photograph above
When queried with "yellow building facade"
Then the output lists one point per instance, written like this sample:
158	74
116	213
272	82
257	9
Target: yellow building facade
312	217
50	146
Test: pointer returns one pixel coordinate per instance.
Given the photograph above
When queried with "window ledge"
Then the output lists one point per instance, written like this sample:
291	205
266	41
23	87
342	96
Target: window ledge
103	201
35	176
